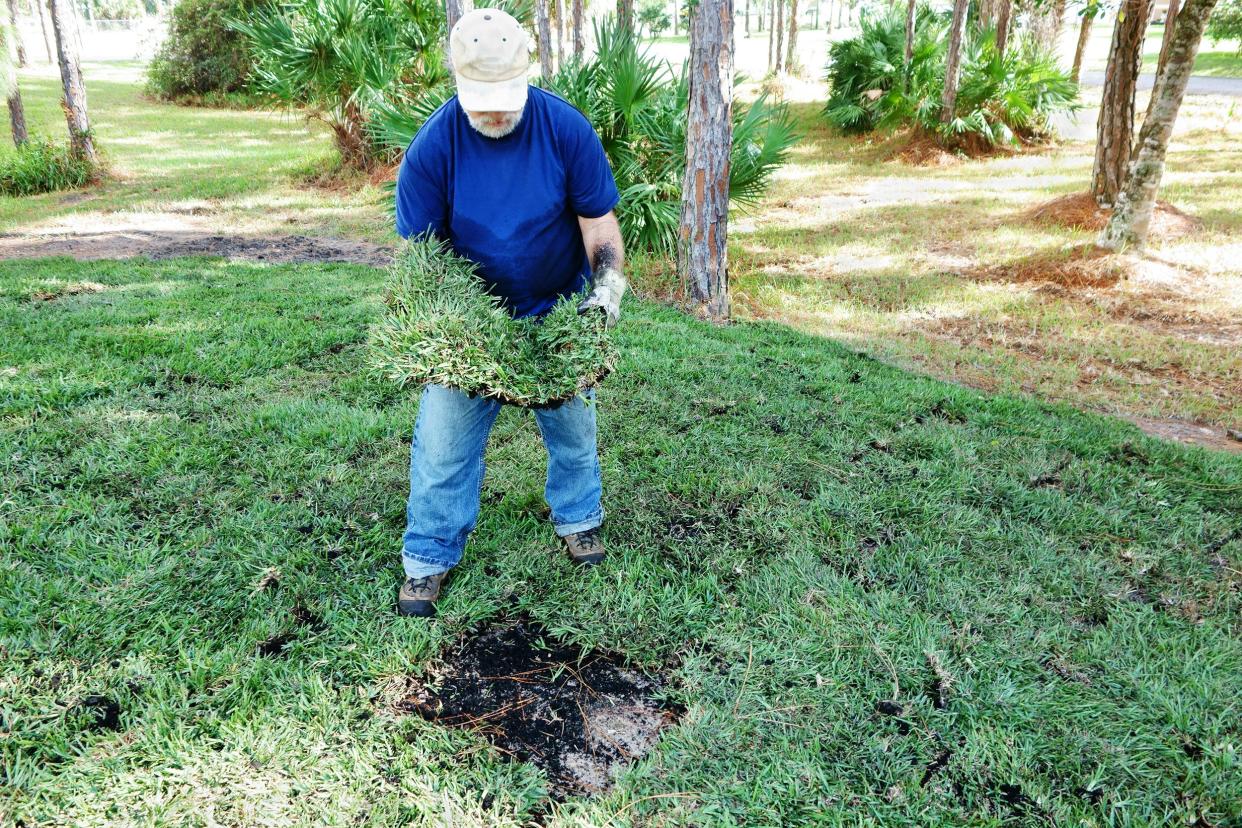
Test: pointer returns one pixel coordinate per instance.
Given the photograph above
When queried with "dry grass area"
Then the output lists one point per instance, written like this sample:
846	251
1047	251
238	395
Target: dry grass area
983	271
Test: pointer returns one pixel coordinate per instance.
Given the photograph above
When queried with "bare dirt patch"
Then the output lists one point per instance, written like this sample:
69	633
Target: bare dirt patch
1080	212
173	243
125	244
579	716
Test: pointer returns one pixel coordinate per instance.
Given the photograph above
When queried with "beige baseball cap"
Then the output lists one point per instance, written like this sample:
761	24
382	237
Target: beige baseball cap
491	58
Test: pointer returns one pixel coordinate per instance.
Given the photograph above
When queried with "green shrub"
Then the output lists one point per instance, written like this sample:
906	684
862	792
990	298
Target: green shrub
40	165
1001	100
341	59
202	55
443	327
1226	22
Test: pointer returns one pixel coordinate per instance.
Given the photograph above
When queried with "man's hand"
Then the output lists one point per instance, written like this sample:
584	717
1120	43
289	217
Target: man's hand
607	288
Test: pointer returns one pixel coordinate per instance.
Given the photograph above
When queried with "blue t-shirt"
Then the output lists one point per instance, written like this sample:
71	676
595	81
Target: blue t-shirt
512	203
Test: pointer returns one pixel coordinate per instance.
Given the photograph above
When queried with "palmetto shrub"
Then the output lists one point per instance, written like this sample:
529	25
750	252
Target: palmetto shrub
637	105
1001	100
442	326
340	59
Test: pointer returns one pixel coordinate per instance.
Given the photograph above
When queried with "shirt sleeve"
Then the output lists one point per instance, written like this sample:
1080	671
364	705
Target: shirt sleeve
592	188
421	200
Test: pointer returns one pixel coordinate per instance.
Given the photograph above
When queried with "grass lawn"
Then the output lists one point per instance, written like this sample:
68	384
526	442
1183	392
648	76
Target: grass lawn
192	452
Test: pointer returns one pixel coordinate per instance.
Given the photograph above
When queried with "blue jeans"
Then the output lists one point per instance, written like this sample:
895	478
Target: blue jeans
446	473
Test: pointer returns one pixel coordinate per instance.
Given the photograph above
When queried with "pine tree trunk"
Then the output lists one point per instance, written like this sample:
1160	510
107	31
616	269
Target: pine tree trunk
1084	35
1131	218
953	60
47	43
676	18
625	15
17	35
1170	22
1115	129
792	46
8	81
579	43
544	26
779	28
452	12
560	33
1004	14
703	250
74	103
909	33
748	18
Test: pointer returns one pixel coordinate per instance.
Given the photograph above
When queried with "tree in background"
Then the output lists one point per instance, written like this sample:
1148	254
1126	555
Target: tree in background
1004	9
203	54
778	26
953	60
625	14
8	85
910	5
1170	19
652	15
453	10
1090	11
579	43
790	65
81	144
544	28
1044	19
16	36
1226	22
1131	218
560	32
1115	128
703	258
47	41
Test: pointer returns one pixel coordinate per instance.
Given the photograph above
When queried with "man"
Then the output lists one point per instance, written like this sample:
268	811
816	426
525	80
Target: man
517	180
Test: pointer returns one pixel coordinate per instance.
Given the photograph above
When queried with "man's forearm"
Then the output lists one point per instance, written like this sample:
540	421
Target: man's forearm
604	248
602	240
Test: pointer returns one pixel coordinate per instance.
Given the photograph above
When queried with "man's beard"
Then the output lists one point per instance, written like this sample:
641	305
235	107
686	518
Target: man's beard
509	124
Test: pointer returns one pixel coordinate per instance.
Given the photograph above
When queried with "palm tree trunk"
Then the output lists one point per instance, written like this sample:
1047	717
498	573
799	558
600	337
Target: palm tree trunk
1115	129
952	62
703	250
579	43
1131	218
1084	35
74	103
792	46
1004	11
17	35
545	38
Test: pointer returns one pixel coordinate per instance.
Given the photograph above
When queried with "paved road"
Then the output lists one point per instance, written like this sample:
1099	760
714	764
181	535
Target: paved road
1199	84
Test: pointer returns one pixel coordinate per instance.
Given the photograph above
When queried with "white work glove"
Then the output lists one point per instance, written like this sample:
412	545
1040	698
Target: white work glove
607	288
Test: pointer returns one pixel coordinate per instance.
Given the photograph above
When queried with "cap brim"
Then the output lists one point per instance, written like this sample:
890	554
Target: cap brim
492	96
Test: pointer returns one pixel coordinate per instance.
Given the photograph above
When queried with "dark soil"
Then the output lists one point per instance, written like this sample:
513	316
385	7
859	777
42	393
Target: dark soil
578	716
169	244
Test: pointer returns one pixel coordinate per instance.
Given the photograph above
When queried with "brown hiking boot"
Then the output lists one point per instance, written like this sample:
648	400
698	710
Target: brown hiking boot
586	548
418	595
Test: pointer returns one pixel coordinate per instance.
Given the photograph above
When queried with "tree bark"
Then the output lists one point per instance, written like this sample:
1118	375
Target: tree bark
792	46
676	18
1131	218
779	28
1115	129
1170	22
771	31
1004	13
579	43
17	35
625	15
47	43
953	60
453	10
544	25
8	82
560	32
74	103
1084	35
703	250
909	32
748	18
